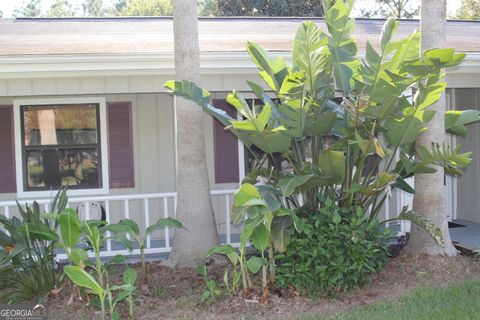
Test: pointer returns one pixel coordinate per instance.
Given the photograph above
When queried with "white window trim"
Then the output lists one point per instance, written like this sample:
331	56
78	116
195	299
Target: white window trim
21	193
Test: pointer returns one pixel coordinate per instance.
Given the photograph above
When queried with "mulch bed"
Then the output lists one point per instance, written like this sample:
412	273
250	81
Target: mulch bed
175	293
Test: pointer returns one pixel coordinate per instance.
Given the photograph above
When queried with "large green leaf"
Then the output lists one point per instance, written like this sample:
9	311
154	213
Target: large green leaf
388	30
281	232
69	227
289	184
37	231
226	250
332	165
259	238
83	279
246	193
422	222
124	226
78	256
255	263
164	222
319	123
191	91
341	46
272	71
310	55
456	120
450	159
92	233
404	130
248	228
129	276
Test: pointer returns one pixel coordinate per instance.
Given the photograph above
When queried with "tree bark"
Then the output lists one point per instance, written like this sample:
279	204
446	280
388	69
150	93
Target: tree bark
194	208
51	159
429	199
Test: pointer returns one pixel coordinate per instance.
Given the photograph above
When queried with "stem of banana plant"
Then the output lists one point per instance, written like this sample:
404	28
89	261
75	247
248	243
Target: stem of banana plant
102	305
242	268
271	260
98	266
264	273
144	267
110	301
130	307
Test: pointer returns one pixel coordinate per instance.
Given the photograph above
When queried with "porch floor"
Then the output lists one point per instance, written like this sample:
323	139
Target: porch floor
467	235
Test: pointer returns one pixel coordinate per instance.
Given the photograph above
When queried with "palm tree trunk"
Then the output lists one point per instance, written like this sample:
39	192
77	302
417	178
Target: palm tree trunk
194	207
429	199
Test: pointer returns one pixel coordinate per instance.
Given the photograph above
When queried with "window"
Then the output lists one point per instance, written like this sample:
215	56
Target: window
61	144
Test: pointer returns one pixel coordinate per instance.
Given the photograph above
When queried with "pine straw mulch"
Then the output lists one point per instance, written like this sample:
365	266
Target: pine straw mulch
175	293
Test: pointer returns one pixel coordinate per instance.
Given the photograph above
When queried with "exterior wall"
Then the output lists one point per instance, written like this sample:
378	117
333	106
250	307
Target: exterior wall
468	201
153	131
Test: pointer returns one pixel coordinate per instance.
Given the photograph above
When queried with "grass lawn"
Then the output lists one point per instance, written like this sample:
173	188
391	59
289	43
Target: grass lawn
459	301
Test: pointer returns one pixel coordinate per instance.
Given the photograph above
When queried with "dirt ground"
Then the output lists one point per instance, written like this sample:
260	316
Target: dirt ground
175	294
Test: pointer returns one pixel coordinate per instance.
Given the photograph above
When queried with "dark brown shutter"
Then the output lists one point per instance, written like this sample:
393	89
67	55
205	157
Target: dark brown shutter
225	148
7	151
120	145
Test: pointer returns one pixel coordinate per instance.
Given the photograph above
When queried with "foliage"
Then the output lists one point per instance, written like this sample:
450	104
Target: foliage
405	9
93	8
378	117
148	8
331	114
83	279
129	227
61	8
332	252
28	9
71	230
469	10
27	251
212	292
304	8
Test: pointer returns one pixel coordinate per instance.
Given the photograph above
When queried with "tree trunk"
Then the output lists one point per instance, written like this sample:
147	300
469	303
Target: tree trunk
51	159
429	199
194	208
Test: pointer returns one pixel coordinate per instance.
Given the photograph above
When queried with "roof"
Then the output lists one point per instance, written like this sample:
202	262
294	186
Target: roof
86	36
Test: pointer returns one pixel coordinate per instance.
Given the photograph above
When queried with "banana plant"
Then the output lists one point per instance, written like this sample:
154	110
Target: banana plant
83	279
355	148
129	227
267	225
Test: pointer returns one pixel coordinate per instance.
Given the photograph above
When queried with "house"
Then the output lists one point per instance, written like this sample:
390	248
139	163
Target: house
83	104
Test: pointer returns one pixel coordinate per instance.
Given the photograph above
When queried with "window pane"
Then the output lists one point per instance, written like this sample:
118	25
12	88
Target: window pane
76	168
60	125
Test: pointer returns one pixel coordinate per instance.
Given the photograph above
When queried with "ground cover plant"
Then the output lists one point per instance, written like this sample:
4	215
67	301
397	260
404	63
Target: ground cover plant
333	127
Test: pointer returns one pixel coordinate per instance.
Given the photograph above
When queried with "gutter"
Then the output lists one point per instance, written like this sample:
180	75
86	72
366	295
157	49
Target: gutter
211	63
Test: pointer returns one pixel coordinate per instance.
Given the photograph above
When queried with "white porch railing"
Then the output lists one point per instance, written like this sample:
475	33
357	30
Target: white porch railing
147	208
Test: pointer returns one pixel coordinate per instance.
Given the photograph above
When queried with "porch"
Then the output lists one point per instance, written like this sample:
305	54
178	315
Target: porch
147	208
465	234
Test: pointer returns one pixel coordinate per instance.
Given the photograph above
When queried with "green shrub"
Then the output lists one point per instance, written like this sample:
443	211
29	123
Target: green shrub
332	252
27	252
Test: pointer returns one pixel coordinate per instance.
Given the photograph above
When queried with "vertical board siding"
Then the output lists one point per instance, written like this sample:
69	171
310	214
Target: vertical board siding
225	146
7	151
120	142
